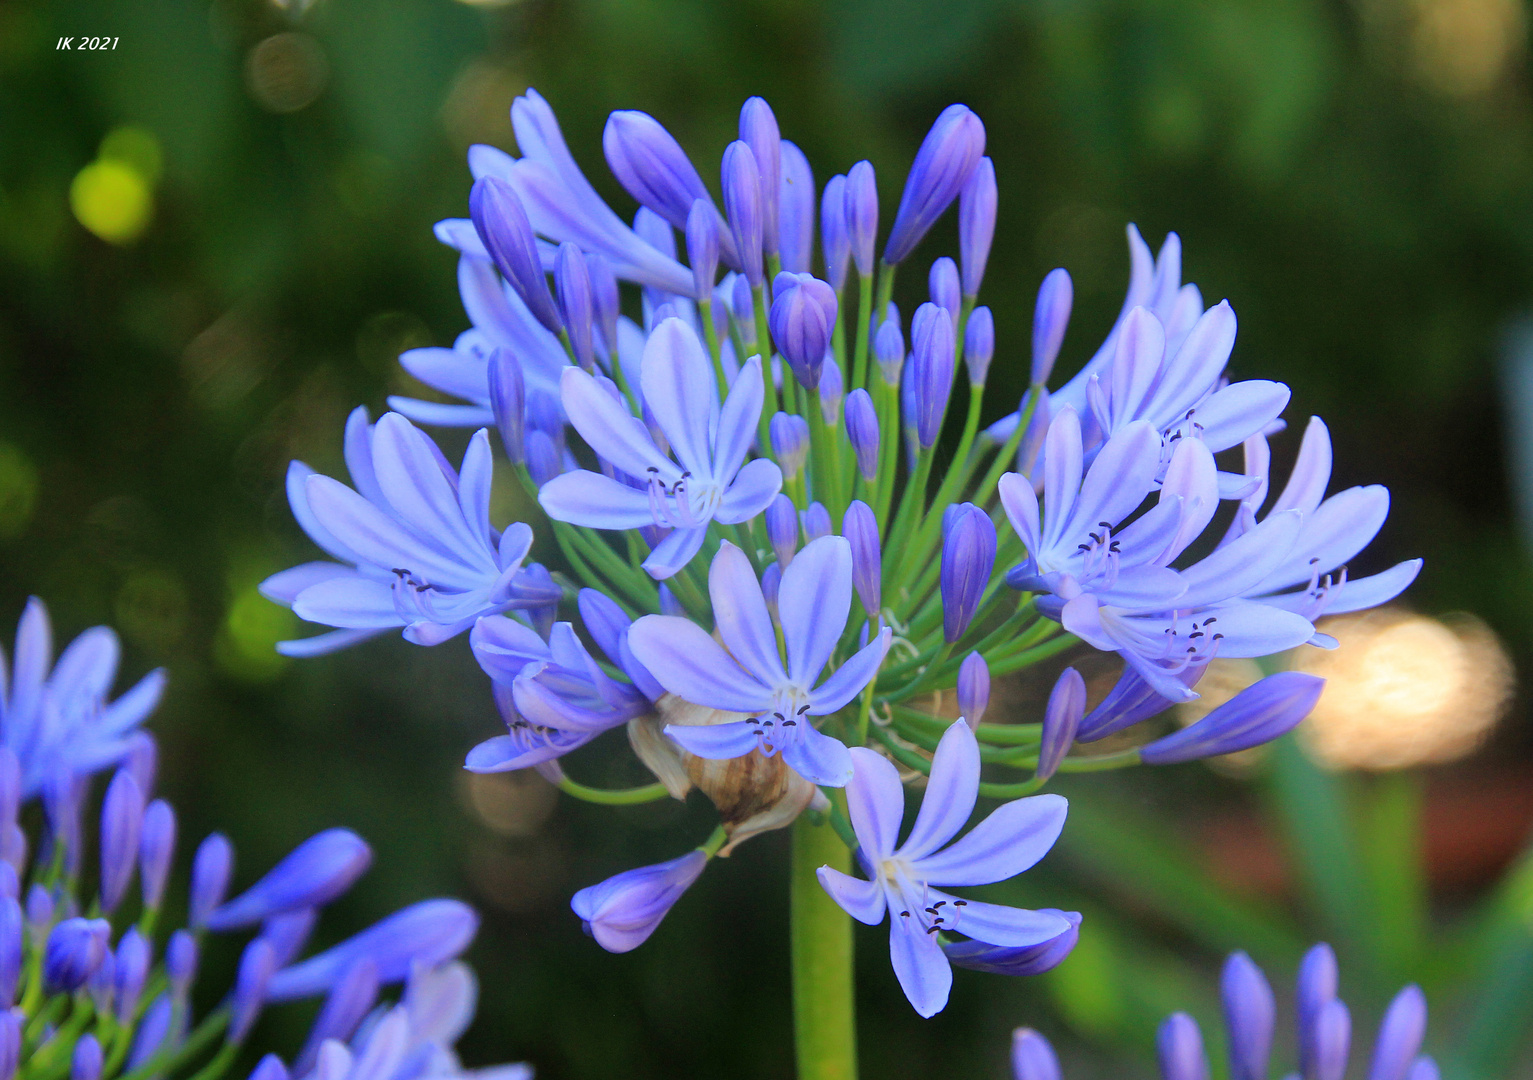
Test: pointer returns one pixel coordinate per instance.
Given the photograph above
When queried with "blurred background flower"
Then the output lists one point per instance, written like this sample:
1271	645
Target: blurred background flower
215	238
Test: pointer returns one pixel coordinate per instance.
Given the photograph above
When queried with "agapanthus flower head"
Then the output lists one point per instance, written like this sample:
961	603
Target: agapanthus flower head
712	481
903	878
55	718
413	541
746	674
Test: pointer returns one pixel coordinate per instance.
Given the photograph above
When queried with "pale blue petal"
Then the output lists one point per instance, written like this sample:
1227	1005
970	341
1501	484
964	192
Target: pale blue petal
754	487
741	617
672	554
818	758
324	644
1014	837
1238	566
1256	629
849	680
690	664
922	970
680	389
439	415
355	603
875	802
1020	502
595	501
379	539
812	604
1061	474
611	430
504	647
1141	348
1240	410
737	422
1311	471
1342	526
457	371
1118	480
950	794
862	900
1000	925
474	482
420	493
716	742
1358	594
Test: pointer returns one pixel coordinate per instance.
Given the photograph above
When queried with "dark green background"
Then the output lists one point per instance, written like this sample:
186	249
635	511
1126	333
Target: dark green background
1368	216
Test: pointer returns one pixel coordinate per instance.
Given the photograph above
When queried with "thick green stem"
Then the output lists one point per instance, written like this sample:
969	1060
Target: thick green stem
824	1019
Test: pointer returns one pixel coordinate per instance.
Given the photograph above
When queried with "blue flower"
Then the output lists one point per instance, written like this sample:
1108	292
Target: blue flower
55	717
813	603
712	481
623	911
902	879
414	538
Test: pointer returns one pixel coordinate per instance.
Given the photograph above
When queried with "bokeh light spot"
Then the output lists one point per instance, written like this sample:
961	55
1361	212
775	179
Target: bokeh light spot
112	199
18	491
286	72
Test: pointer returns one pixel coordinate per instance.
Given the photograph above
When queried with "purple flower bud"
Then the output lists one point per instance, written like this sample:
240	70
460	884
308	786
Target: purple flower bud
1067	704
211	867
742	201
1032	1058
544	461
577	305
604	298
350	1000
816	522
802	317
13	847
11	944
1316	988
503	228
968	557
1249	1012
1017	960
771	583
289	932
87	1060
979	345
102	983
669	605
256	967
790	443
942	284
270	1067
74	951
758	130
10	884
1037	430
860	528
782	528
1256	715
652	166
889	349
862	215
908	414
39	909
429	933
1423	1068
10	786
703	245
862	431
932	367
835	242
943	165
623	911
142	760
63	799
795	227
152	1030
122	818
976	224
1179	1046
743	307
1050	317
156	849
1400	1034
1331	1040
832	391
973	688
10	1042
181	961
313	874
132	971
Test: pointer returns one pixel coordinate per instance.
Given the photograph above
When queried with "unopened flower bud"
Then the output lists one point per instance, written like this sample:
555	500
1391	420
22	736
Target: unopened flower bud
947	158
122	819
87	1060
782	528
623	911
503	228
1179	1046
1400	1034
816	522
758	130
211	867
976	224
973	689
743	306
1032	1058
742	202
835	243
12	927
860	528
256	967
544	461
142	760
604	297
790	443
289	932
74	951
352	997
703	246
1249	1015
832	391
942	286
802	316
889	349
1067	704
968	557
151	1033
669	605
181	961
131	972
651	165
314	873
577	305
979	345
862	431
1258	714
1050	317
771	585
157	846
862	215
795	226
932	362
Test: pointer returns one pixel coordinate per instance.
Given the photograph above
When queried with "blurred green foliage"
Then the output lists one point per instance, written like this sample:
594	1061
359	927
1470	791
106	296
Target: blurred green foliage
215	239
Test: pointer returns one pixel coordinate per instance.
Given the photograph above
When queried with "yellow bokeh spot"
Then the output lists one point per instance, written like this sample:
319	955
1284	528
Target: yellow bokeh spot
246	645
136	147
112	199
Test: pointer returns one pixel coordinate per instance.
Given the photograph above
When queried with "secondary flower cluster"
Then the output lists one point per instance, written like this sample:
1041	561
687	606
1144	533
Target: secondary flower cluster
89	987
1323	1023
779	559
